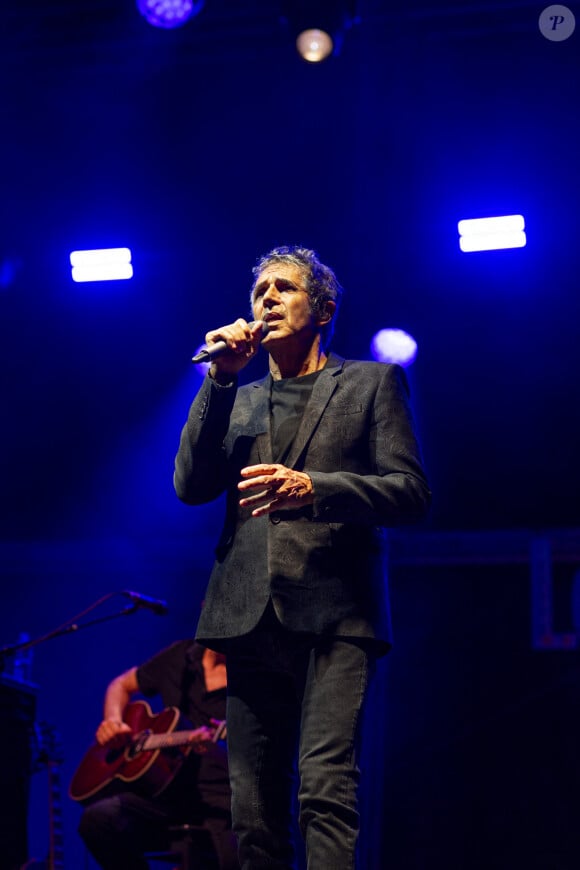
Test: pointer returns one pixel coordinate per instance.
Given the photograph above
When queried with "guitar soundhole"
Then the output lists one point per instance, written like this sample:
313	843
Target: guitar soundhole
113	754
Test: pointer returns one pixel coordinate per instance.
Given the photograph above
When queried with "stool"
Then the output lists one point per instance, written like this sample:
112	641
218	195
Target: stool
190	846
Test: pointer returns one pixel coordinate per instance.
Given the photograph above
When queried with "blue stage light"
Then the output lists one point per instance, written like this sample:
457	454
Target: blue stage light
492	233
8	268
169	13
105	264
394	346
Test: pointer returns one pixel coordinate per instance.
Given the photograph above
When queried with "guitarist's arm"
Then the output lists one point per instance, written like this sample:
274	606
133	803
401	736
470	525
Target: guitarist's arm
112	729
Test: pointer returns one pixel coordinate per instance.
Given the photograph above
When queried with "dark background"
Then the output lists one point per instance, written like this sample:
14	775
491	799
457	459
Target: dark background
200	149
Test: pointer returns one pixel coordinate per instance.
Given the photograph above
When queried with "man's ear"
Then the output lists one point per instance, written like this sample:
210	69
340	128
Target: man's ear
327	312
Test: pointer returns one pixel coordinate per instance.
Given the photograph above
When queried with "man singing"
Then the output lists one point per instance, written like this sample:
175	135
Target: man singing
316	460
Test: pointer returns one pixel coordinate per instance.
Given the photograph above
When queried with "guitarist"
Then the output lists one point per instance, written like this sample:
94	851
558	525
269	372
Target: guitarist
119	829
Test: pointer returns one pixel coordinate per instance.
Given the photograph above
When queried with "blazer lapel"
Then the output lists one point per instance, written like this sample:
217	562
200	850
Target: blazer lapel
260	415
324	387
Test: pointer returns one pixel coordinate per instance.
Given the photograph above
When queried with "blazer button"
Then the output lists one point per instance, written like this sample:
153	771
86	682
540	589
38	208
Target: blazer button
275	518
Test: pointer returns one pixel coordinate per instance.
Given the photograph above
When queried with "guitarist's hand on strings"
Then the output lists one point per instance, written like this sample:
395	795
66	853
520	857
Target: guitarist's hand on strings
112	732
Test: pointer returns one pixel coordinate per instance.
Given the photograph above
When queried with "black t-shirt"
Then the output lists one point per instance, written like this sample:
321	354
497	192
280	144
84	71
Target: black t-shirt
288	399
176	675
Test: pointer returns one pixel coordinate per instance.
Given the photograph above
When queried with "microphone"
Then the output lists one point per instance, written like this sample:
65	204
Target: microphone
156	605
207	354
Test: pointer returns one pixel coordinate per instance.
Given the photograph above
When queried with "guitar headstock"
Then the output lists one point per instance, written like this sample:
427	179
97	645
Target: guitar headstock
221	731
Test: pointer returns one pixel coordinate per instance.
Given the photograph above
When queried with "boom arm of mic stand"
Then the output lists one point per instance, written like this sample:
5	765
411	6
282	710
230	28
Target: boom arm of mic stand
71	626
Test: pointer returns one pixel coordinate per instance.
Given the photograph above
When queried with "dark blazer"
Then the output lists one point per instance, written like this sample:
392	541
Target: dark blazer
324	565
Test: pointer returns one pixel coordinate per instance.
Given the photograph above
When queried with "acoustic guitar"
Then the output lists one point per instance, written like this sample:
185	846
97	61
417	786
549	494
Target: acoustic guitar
150	759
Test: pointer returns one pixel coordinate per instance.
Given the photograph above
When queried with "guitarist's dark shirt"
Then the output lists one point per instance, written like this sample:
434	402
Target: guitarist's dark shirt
176	676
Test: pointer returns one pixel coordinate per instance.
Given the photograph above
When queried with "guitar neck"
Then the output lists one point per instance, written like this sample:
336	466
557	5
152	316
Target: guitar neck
174	738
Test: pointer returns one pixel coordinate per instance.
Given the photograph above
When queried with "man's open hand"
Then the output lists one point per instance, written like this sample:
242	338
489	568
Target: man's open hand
268	488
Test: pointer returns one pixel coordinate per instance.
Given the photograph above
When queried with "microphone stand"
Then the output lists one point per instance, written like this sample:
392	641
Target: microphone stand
71	625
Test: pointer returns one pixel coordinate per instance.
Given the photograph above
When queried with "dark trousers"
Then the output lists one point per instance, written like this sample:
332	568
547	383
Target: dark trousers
293	695
118	830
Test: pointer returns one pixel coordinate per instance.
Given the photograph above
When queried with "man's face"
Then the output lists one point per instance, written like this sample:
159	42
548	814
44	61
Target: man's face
279	297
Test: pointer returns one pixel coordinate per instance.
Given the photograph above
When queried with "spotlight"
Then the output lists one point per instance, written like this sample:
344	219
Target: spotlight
169	13
101	264
394	346
314	45
318	25
492	233
9	268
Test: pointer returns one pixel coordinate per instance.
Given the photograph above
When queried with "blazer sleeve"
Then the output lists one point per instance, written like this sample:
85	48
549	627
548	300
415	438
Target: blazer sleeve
200	473
395	491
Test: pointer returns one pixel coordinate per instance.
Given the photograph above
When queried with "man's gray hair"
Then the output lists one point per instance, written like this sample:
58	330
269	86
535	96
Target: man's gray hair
321	282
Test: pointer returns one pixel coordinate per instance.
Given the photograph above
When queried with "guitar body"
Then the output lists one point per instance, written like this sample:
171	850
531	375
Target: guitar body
148	771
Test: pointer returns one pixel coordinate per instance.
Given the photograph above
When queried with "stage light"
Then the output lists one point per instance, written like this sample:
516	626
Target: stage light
394	346
169	13
314	45
318	25
9	267
104	264
492	233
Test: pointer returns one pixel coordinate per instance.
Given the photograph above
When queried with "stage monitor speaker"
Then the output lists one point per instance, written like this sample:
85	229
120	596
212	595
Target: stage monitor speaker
17	716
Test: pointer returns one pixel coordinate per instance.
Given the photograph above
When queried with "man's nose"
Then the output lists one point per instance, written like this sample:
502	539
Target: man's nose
271	295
